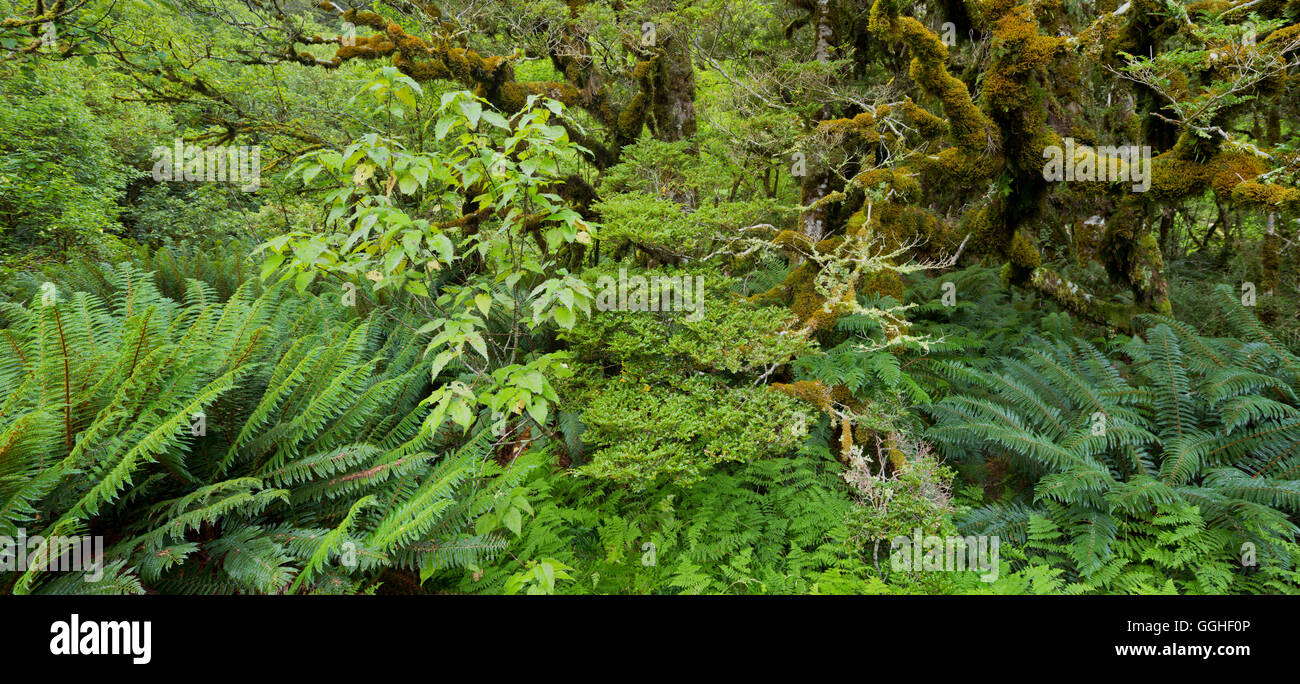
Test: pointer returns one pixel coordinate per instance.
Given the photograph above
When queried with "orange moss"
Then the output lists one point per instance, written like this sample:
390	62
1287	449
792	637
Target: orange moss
363	18
365	47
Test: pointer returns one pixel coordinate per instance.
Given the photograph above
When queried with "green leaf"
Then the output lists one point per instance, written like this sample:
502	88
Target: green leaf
472	109
444	124
565	317
513	521
407	184
460	413
495	119
476	341
303	279
537	409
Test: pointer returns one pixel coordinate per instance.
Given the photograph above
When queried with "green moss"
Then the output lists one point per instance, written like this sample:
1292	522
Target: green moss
632	117
1267	195
968	128
927	124
1022	252
1173	178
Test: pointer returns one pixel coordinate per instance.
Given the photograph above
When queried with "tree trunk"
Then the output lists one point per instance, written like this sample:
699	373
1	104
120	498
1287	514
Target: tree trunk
674	92
817	183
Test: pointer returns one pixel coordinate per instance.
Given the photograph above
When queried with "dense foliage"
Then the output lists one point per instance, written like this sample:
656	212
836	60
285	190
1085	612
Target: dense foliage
653	297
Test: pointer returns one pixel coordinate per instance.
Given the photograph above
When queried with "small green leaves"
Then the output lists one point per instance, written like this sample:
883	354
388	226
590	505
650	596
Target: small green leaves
538	577
560	299
390	90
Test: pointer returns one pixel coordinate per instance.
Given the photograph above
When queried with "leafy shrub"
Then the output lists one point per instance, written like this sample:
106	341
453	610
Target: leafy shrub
662	395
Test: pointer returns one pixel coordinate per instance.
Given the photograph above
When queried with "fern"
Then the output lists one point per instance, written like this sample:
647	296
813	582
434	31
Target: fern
313	470
1180	430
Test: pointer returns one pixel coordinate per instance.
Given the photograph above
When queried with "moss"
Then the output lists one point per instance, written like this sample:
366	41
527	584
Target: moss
956	166
825	398
798	291
898	182
905	185
1030	136
872	177
987	230
1230	175
1147	275
409	43
1074	299
1022	253
1173	178
1191	147
1283	37
1083	135
846	437
814	392
1212	7
792	241
632	117
883	283
1021	50
511	96
897	224
1267	195
430	70
458	60
644	70
968	127
1086	245
365	47
1230	169
927	124
856	221
1270	263
859	129
363	18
